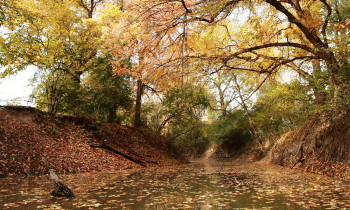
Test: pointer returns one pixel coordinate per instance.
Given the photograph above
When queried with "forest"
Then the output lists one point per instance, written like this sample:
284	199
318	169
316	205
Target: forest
205	74
177	104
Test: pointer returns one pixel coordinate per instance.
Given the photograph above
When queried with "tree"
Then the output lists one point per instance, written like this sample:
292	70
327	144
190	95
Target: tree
184	105
183	110
242	101
227	132
282	107
105	93
285	34
66	44
131	43
234	91
60	41
263	37
221	84
52	89
57	37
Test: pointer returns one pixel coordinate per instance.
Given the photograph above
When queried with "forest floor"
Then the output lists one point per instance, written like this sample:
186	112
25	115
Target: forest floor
32	142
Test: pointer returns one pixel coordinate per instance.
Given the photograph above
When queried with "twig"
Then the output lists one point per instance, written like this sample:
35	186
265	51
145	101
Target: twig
177	185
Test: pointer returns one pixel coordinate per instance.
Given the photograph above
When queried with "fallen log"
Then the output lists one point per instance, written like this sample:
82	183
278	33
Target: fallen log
60	189
107	147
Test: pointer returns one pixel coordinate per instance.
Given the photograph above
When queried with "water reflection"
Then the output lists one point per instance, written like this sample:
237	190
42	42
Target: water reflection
195	186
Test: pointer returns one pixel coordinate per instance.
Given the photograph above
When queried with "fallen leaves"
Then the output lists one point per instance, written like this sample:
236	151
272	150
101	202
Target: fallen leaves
32	142
231	186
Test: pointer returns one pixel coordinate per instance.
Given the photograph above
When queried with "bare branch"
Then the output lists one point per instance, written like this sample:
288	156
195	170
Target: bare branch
277	44
301	72
325	24
184	5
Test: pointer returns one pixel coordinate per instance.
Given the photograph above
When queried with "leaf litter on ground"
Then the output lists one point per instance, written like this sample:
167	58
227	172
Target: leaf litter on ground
196	185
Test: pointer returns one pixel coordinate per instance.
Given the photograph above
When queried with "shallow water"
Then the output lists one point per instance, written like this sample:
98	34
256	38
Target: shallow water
193	186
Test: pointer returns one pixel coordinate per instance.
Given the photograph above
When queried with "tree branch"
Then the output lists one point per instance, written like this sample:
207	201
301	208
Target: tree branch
276	44
212	18
325	24
315	40
302	73
251	49
184	5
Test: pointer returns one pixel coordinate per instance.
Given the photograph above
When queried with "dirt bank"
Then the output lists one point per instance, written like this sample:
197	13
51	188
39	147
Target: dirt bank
321	146
32	142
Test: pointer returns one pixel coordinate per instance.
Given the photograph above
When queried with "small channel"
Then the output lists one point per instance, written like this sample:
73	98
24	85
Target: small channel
194	186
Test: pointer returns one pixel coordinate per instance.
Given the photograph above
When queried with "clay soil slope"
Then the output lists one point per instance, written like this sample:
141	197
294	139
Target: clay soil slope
321	146
32	142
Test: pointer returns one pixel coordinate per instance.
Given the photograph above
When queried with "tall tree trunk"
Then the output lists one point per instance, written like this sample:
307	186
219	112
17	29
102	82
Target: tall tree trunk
162	126
52	99
139	93
320	96
52	103
112	113
252	130
336	81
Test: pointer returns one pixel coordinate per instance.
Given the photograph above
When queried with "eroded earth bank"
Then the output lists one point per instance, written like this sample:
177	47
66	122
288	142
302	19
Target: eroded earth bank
32	142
